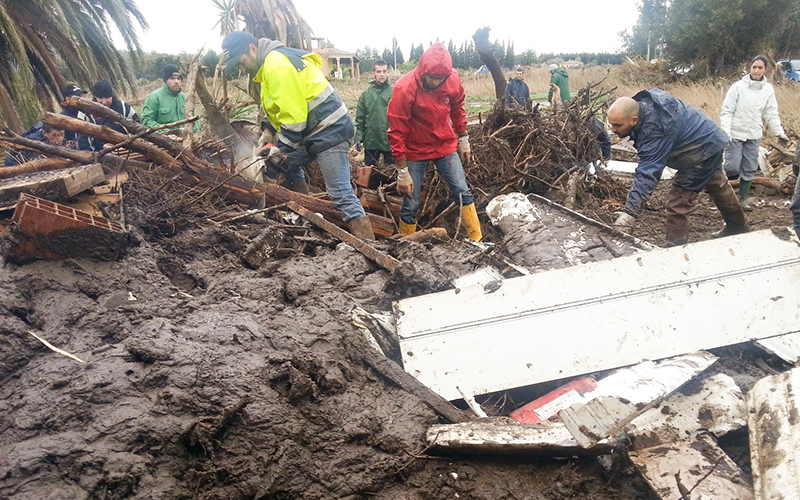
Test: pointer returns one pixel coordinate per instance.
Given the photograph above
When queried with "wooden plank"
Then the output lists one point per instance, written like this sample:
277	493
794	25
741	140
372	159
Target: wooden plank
627	393
395	373
603	315
55	185
385	261
507	437
692	469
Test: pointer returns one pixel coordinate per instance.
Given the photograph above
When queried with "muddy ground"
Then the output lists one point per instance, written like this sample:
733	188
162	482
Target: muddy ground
205	379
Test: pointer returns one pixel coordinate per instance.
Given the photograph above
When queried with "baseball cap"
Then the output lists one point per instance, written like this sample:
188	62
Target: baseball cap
102	89
71	90
235	46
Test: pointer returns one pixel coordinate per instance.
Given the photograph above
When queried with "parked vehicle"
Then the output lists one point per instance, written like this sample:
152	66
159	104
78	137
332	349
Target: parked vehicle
790	69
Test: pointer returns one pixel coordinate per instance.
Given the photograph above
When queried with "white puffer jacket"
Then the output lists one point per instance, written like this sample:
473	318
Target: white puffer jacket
748	104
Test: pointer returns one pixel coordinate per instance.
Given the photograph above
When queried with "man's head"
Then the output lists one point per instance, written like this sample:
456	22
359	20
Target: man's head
518	72
758	67
103	93
623	115
52	134
241	49
381	71
435	66
172	78
72	89
552	68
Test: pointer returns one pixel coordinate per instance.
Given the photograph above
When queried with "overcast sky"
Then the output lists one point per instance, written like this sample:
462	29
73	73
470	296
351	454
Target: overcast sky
568	26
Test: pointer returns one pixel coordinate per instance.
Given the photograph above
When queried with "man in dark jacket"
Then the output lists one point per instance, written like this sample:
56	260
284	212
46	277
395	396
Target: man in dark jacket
103	93
46	133
371	120
667	131
517	92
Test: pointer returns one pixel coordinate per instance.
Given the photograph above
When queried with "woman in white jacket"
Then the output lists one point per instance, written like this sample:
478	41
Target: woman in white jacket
748	104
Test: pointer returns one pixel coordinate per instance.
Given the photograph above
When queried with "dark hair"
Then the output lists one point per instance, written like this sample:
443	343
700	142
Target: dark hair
46	127
379	62
762	59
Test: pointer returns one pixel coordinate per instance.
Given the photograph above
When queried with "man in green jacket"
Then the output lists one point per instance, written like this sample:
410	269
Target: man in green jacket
371	120
167	104
559	78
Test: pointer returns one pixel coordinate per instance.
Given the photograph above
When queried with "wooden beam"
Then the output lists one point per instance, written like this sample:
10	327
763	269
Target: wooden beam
385	261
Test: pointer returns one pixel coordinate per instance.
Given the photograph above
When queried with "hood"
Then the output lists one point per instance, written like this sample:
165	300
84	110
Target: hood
435	61
265	46
754	84
562	72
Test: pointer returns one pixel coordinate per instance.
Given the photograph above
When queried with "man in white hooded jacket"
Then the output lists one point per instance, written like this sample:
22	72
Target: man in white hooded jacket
748	104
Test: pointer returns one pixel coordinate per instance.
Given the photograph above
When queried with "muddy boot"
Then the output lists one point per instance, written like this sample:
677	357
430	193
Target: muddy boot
726	201
744	188
299	187
680	204
361	227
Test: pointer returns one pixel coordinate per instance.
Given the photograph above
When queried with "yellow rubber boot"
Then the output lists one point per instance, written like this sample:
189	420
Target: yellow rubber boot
406	229
469	218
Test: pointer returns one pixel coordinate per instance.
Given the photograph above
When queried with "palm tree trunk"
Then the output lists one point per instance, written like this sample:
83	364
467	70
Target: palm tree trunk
8	111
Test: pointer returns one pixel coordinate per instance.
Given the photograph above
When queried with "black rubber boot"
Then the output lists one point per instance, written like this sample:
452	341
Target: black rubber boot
726	201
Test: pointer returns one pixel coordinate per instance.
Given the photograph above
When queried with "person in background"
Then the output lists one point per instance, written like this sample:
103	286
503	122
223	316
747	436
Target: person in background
47	134
103	93
517	92
84	143
748	104
559	79
428	123
371	120
306	113
166	104
667	131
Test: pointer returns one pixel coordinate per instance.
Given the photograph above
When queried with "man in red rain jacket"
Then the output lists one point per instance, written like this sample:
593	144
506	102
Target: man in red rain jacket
428	123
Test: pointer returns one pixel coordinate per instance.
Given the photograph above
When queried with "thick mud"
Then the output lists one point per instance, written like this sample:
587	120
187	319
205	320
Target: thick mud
210	378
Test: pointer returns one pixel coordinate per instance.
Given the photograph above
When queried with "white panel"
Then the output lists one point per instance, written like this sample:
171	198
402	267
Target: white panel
603	315
774	424
786	347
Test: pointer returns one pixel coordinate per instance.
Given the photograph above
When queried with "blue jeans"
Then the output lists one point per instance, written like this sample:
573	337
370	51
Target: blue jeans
334	163
741	158
451	170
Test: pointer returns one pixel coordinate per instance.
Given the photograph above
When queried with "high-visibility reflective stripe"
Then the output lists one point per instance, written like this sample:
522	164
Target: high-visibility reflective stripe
330	120
313	103
294	127
292	144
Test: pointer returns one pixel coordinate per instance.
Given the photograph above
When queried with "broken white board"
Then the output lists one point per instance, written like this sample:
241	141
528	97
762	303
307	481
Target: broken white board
692	469
627	393
505	436
602	315
629	168
714	403
774	424
786	347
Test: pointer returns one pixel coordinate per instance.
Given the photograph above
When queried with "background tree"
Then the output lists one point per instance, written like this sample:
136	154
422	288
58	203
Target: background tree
46	43
228	17
275	19
416	53
786	40
648	33
527	58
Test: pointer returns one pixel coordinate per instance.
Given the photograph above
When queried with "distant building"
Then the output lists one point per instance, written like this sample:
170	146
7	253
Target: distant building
571	64
338	63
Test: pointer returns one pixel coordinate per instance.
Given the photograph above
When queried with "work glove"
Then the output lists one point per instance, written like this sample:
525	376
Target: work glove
359	146
783	138
267	138
274	157
463	149
405	184
624	221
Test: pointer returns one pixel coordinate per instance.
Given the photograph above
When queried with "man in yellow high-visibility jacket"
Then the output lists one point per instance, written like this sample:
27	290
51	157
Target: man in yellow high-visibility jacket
308	115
